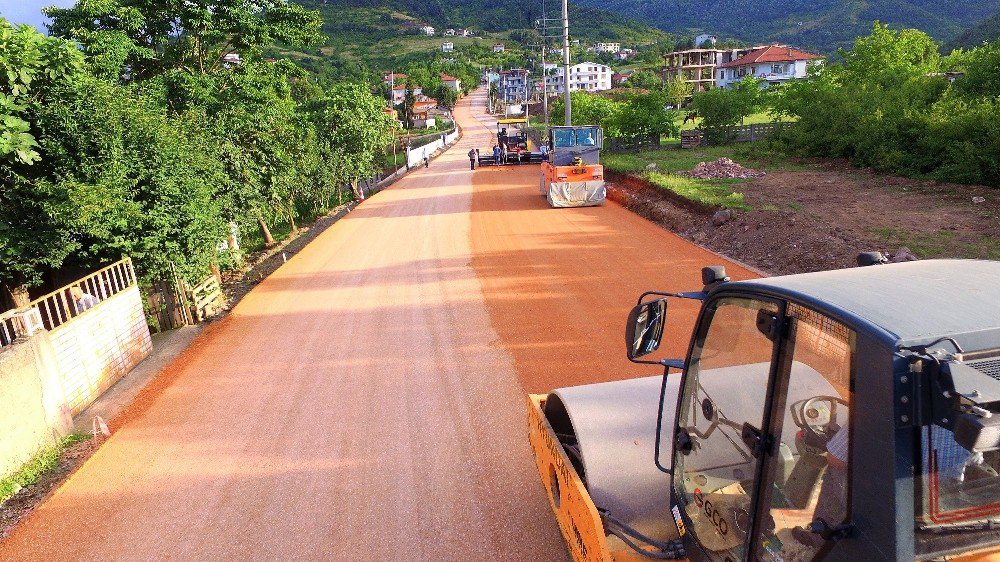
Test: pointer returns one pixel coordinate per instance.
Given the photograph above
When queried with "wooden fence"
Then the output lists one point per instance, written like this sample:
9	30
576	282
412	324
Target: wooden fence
740	133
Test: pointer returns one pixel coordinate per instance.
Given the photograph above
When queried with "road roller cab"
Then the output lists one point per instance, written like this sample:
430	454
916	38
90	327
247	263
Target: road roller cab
851	414
573	175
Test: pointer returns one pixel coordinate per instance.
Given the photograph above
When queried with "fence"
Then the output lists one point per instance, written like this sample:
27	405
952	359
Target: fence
740	133
621	145
97	328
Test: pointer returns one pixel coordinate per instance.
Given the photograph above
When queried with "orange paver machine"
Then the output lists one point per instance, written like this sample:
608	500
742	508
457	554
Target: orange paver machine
573	175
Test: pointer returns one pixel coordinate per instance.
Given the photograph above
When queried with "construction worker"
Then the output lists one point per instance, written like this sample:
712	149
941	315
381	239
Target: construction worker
497	153
472	158
503	153
545	152
427	161
502	137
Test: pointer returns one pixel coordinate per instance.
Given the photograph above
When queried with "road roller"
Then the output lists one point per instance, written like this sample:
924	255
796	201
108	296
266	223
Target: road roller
573	175
837	415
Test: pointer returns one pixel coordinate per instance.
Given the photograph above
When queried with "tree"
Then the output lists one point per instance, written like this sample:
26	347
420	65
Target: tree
644	116
139	39
722	109
588	109
354	131
30	64
645	79
678	90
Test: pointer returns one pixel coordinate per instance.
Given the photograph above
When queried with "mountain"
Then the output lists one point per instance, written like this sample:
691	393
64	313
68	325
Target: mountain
383	17
820	25
986	30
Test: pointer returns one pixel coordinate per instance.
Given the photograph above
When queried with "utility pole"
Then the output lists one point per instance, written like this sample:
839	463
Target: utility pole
568	102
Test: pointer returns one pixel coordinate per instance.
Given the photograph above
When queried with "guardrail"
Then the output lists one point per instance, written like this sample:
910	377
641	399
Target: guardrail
64	304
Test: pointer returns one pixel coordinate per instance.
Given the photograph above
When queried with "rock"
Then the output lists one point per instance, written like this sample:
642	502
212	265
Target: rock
723	168
903	254
722	217
699	237
651	166
978	200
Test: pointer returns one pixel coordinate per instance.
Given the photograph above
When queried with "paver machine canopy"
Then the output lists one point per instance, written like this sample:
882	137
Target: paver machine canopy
510	132
839	415
573	175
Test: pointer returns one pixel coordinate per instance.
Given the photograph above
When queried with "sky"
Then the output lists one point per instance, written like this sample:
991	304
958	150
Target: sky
30	11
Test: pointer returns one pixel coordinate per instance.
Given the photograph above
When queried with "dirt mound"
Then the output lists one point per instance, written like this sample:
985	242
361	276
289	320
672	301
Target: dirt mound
723	168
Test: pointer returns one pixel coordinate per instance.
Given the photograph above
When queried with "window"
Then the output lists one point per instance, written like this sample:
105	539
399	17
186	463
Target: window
723	397
807	478
955	487
777	69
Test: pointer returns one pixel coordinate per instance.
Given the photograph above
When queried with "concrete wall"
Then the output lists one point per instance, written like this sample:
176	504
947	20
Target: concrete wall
33	413
100	346
415	157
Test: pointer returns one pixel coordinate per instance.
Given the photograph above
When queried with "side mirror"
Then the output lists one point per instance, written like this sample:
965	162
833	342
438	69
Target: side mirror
645	328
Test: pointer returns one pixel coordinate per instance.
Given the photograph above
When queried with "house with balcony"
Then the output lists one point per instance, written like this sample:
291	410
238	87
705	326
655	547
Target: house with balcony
514	86
499	47
586	76
698	66
774	64
607	47
399	93
427	30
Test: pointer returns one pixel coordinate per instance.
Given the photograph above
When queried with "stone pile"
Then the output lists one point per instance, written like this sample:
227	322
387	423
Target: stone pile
723	168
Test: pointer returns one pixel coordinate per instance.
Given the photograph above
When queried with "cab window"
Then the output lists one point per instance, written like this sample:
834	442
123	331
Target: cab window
563	138
807	473
722	399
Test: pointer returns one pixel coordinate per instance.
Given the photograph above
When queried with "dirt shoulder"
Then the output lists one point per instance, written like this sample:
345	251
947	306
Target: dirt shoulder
811	216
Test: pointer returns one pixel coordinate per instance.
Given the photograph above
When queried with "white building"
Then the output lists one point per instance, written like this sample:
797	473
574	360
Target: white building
466	33
449	32
773	65
451	82
447	47
587	76
427	30
705	40
498	47
607	47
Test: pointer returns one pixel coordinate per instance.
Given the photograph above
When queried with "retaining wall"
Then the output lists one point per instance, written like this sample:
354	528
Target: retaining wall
33	414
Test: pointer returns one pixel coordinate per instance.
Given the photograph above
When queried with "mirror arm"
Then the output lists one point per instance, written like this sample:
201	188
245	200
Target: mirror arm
698	296
667	364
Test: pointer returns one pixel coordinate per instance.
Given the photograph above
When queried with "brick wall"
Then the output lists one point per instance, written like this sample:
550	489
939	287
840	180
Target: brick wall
100	346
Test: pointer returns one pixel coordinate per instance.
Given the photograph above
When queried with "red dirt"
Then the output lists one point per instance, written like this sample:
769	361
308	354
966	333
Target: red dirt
822	217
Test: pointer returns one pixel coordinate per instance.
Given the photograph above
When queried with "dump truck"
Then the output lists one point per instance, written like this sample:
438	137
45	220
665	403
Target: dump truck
838	415
573	175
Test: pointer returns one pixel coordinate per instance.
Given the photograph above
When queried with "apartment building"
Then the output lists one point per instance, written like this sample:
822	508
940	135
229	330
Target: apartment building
586	76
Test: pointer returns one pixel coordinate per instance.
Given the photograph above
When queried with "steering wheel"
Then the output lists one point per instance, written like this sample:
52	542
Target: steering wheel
818	420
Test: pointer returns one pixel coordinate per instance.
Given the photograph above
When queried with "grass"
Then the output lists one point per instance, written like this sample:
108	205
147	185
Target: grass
752	119
940	244
674	159
42	463
712	193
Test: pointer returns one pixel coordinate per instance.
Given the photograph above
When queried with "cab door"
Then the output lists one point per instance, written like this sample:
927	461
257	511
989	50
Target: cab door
720	438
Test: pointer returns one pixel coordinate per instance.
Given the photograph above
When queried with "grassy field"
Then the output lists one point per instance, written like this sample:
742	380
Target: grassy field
752	119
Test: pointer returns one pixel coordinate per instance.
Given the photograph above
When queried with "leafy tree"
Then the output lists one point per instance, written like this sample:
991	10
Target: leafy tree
722	109
645	79
354	131
138	39
678	90
643	116
588	109
30	64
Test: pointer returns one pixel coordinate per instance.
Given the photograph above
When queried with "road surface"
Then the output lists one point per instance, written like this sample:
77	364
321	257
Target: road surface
366	402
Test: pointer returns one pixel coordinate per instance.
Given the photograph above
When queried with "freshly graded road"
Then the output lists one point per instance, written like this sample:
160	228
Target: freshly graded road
366	401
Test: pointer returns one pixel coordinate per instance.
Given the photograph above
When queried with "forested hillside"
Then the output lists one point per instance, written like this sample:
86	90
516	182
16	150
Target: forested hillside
986	31
822	25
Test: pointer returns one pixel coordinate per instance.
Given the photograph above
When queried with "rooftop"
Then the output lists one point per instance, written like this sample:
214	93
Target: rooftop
772	53
905	301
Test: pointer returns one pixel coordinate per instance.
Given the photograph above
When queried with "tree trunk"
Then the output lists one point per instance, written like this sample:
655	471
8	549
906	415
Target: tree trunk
265	231
291	216
18	294
359	195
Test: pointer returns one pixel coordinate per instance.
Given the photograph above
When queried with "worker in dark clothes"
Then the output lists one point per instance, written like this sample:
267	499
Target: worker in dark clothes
472	158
